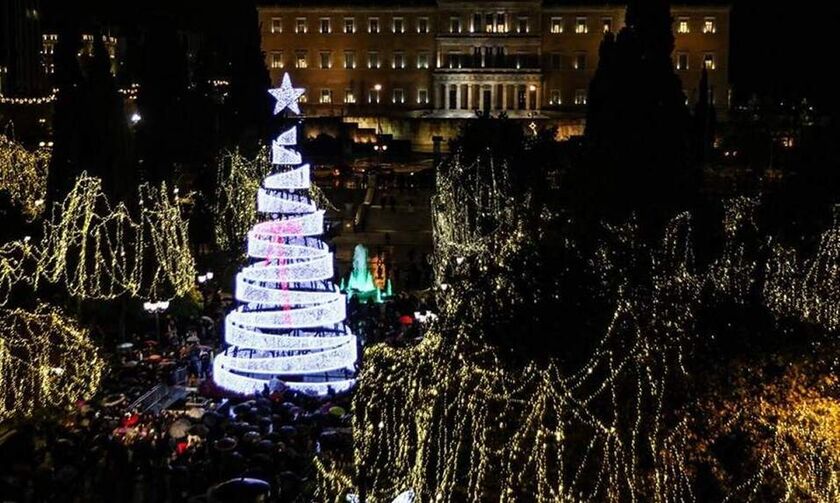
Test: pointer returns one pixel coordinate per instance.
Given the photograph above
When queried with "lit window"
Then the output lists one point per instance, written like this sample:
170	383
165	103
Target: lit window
489	26
326	60
399	96
325	25
683	26
373	96
423	60
501	25
349	60
422	25
475	26
580	61
709	61
422	96
373	25
682	61
277	25
522	25
580	97
606	24
349	96
399	60
300	25
555	97
326	96
581	25
556	61
276	59
709	25
300	59
455	25
349	25
303	98
557	25
373	59
398	25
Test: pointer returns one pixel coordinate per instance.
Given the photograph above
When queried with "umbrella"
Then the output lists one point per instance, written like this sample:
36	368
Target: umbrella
239	490
225	444
406	320
198	430
153	358
125	346
179	428
192	338
150	343
195	413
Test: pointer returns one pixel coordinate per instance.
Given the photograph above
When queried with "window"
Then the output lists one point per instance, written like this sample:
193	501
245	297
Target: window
522	25
580	61
349	96
606	24
709	61
303	98
423	60
373	25
423	96
422	25
349	60
277	25
556	61
300	59
557	25
373	59
489	25
683	26
325	25
276	59
326	60
454	25
300	25
398	96
399	60
373	96
555	98
581	25
580	97
349	25
398	25
682	61
501	25
326	96
709	25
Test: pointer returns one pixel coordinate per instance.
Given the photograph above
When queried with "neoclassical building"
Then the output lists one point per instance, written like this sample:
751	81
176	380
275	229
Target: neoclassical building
432	61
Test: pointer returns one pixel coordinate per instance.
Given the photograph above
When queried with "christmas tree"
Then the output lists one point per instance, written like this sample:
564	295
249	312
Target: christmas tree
290	321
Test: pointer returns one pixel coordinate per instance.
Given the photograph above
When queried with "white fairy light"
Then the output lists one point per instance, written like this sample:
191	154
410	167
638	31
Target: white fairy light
291	319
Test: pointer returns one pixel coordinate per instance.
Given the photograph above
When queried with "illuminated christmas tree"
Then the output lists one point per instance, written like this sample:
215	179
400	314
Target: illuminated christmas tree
290	322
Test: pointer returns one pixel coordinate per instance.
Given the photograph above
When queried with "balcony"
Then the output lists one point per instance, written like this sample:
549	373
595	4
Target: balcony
490	62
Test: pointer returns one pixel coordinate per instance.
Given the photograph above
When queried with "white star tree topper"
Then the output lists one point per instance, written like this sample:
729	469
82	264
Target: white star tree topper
286	96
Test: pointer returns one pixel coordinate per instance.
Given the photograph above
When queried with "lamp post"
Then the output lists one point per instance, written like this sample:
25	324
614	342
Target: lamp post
202	280
156	308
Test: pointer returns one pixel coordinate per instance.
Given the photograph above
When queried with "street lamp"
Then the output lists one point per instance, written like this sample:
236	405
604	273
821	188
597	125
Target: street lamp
135	118
156	308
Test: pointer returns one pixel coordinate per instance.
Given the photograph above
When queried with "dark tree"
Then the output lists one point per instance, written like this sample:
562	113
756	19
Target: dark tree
705	120
638	123
249	104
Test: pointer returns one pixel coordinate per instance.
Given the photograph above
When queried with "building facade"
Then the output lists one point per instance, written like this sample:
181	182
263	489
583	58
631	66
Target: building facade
448	58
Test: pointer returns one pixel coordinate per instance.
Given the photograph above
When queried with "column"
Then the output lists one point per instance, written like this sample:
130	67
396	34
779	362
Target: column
470	97
438	101
539	97
458	96
505	96
447	92
527	97
493	104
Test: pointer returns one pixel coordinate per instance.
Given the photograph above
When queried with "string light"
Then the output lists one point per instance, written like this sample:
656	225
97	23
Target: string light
454	420
99	251
46	361
23	174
